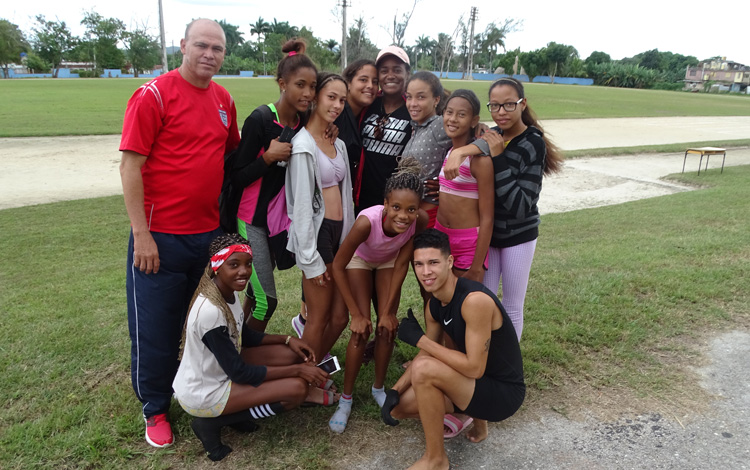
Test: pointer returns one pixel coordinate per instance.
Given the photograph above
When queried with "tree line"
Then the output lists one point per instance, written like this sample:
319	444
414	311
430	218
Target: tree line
109	45
106	43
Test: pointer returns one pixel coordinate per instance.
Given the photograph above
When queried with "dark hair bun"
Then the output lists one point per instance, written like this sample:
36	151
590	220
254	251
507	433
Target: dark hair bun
294	45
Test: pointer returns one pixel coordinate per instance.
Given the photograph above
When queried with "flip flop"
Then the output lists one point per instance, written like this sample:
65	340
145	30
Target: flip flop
329	398
328	385
454	426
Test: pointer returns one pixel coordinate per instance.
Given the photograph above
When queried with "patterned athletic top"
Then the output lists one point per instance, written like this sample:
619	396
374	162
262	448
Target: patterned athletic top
464	185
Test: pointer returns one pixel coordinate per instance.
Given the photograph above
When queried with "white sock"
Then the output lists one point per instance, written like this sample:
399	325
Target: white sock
379	395
341	416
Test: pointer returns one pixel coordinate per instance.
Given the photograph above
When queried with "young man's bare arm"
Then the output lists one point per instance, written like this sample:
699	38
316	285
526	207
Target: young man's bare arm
477	311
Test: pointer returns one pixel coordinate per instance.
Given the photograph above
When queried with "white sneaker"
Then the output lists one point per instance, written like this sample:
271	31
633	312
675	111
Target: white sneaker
298	326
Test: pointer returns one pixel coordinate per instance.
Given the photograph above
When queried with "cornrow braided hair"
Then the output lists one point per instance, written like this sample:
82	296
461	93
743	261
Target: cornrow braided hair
408	175
211	292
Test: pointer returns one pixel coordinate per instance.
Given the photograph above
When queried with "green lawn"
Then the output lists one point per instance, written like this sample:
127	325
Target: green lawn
614	292
35	107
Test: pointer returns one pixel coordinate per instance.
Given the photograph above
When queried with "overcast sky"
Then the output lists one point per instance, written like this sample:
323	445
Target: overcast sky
703	30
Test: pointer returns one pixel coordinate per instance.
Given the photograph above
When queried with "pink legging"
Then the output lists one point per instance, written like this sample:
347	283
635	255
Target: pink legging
513	264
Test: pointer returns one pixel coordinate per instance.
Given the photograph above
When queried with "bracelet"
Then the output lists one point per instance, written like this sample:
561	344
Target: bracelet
288	338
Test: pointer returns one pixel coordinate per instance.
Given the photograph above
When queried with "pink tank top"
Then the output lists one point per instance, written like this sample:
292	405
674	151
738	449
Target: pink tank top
379	247
464	185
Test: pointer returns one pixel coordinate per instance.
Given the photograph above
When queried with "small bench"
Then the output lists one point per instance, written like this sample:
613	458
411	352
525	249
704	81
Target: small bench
707	151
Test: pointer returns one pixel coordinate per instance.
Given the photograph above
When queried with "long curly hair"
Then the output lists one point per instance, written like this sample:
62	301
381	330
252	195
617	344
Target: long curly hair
208	289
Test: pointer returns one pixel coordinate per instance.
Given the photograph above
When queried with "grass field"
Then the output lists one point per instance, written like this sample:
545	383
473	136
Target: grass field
95	106
617	294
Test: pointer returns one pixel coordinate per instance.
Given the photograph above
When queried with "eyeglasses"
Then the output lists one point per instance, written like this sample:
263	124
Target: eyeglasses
509	107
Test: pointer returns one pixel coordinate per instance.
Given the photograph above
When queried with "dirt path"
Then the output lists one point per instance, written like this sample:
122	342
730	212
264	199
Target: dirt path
37	170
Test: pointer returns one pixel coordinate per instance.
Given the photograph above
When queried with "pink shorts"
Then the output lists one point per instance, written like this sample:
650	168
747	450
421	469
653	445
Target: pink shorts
463	245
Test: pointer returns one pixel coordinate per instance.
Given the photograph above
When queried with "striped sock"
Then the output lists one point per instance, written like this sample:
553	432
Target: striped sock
266	410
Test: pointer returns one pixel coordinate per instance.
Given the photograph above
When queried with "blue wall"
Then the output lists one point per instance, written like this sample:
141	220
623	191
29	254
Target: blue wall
62	73
481	76
521	78
117	73
564	80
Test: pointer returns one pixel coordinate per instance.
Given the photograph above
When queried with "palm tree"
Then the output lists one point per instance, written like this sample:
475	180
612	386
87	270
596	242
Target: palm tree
283	28
331	44
444	48
233	36
261	28
424	45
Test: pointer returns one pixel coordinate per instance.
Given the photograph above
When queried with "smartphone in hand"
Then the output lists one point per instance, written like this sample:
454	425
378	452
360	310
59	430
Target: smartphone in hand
330	365
286	134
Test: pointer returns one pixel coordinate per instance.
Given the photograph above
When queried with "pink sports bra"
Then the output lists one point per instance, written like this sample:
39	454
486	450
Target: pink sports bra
332	170
464	185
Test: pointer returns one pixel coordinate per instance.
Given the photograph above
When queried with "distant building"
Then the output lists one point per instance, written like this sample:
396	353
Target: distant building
723	74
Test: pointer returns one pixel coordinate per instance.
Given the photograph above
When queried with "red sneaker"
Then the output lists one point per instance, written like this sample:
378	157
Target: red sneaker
159	431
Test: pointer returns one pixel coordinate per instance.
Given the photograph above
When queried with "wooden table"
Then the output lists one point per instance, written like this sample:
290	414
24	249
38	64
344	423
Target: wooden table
707	151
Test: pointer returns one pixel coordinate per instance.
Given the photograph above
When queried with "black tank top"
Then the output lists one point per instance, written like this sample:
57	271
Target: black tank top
504	361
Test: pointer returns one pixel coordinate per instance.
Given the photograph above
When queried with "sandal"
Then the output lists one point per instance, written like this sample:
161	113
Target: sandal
328	386
327	398
454	426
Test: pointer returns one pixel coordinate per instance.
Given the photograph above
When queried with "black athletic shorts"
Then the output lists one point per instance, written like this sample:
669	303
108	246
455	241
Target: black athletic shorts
494	400
329	238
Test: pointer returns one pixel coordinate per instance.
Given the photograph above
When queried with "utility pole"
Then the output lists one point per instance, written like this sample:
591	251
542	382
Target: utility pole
163	39
472	21
342	49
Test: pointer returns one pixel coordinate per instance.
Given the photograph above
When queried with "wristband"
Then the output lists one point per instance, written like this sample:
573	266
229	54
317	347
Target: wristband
288	338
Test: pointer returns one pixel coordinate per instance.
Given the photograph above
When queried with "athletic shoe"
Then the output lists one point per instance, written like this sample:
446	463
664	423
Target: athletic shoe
298	326
159	431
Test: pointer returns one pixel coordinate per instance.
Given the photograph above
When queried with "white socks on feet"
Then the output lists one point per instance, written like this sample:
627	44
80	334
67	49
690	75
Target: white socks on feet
341	416
379	395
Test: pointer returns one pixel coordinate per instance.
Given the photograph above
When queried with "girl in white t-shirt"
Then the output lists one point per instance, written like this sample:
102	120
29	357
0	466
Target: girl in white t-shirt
229	373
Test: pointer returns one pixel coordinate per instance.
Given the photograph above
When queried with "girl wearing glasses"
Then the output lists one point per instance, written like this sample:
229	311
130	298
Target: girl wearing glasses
521	155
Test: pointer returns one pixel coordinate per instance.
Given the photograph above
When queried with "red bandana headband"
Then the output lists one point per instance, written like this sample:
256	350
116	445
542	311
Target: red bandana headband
218	259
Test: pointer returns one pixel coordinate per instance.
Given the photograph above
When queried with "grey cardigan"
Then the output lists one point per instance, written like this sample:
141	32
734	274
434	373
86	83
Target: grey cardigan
304	202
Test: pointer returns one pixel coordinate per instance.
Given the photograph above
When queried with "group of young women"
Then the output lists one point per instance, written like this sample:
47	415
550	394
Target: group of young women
341	172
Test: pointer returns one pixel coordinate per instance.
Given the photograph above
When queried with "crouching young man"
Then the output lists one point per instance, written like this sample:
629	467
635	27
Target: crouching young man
482	377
